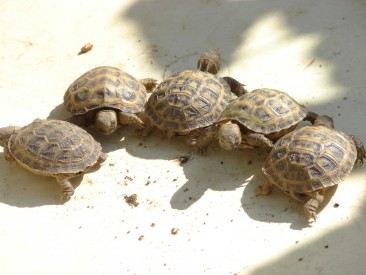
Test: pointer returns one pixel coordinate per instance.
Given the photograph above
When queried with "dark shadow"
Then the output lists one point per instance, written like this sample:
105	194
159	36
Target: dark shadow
175	31
219	170
21	188
278	207
339	251
58	113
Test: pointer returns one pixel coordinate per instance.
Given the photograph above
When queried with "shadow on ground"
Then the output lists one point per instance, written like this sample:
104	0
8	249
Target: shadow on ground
21	188
176	30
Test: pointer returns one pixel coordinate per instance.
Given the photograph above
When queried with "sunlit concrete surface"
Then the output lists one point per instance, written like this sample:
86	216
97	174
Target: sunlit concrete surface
313	50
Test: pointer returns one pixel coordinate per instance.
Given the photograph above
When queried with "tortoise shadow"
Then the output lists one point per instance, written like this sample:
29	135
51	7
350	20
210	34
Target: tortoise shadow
22	188
278	207
58	112
219	170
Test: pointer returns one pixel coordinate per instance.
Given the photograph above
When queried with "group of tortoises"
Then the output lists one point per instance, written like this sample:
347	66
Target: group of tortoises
200	105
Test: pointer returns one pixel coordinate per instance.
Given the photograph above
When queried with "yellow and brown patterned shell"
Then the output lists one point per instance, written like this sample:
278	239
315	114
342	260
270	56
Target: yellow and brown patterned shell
310	159
265	111
105	87
188	100
51	147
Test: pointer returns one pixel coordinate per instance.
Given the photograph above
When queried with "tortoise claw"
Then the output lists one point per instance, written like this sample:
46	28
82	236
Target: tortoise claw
66	195
310	209
200	150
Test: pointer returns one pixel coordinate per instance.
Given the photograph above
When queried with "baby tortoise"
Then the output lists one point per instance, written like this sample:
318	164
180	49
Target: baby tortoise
190	100
255	119
307	161
107	97
52	148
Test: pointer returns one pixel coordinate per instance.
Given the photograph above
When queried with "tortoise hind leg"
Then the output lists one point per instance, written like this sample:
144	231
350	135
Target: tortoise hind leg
209	61
361	151
67	189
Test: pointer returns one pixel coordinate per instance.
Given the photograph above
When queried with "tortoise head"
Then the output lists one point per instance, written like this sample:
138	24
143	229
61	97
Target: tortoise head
210	61
106	121
361	151
6	132
325	121
229	136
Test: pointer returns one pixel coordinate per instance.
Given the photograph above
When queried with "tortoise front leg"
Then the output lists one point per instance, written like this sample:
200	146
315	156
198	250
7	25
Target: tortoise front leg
80	120
149	83
7	155
236	87
313	203
201	138
148	126
130	119
67	189
264	189
256	140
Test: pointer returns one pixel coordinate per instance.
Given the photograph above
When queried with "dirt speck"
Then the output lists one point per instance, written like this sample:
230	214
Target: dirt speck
336	205
131	200
141	238
174	231
182	160
88	181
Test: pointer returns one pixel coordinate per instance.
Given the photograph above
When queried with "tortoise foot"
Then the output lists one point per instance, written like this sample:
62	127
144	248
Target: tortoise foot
263	190
310	209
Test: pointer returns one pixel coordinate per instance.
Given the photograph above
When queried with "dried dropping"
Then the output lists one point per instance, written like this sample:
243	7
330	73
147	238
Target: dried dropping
87	47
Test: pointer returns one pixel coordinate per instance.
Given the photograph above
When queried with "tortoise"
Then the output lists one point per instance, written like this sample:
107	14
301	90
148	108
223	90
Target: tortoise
107	97
52	148
189	100
309	160
256	119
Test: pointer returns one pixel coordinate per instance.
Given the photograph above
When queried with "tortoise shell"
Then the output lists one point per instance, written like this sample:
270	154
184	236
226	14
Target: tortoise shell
309	159
105	87
188	100
50	147
265	111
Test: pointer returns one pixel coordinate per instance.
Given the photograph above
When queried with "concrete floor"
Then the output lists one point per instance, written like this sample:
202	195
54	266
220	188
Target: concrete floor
313	50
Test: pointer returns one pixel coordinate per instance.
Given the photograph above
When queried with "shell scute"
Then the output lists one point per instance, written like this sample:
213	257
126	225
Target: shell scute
105	87
52	147
188	100
312	157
